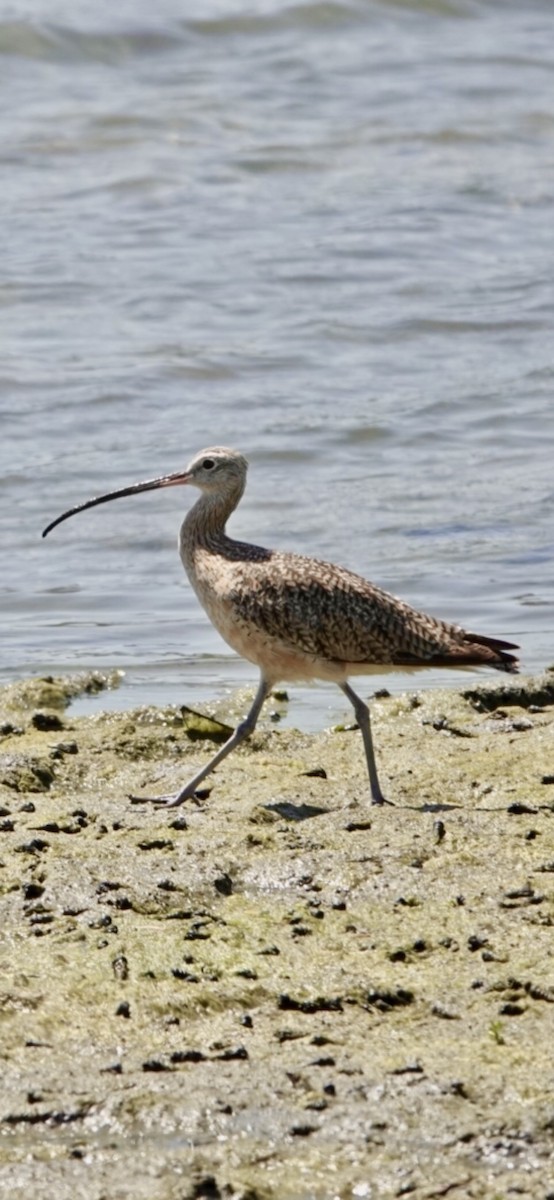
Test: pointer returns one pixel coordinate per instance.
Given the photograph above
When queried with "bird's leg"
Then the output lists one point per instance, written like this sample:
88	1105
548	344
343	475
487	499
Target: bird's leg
242	731
362	716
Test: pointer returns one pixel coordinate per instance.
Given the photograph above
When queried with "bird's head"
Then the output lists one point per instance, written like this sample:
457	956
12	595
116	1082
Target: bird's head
217	471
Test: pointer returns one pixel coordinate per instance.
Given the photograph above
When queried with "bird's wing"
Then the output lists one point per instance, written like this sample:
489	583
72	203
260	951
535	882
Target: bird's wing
328	612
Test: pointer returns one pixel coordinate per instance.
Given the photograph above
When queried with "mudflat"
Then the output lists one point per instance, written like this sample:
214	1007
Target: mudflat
276	990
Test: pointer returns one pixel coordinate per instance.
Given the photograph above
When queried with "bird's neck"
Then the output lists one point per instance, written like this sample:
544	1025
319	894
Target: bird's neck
204	525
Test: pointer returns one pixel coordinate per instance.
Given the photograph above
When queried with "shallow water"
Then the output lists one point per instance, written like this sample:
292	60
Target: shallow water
320	232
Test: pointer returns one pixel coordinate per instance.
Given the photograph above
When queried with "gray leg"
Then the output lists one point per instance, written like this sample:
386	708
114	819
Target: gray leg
362	716
242	731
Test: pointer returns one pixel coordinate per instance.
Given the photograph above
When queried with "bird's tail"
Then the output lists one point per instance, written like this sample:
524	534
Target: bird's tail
499	652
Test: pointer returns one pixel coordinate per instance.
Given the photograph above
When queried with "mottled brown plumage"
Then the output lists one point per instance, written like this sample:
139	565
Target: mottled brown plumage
297	617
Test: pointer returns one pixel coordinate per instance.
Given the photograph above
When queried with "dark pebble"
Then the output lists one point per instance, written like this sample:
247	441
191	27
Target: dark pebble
46	721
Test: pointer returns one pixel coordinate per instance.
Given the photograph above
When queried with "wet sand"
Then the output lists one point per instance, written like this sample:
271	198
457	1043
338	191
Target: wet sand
278	991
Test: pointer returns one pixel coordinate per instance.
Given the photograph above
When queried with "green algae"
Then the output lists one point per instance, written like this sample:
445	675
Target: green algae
277	991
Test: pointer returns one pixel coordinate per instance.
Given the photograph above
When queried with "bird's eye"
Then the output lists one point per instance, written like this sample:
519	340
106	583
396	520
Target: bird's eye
208	464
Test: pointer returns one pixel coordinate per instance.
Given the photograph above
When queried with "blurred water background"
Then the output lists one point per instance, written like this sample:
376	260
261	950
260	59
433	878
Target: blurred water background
320	232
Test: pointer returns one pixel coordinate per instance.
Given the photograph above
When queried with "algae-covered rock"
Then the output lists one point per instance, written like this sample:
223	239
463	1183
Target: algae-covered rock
47	692
25	772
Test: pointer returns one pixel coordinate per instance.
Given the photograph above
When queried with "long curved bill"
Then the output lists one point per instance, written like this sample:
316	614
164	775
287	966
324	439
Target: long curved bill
174	480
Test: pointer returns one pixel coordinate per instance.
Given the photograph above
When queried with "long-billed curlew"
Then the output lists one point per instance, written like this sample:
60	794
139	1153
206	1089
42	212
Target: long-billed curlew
295	617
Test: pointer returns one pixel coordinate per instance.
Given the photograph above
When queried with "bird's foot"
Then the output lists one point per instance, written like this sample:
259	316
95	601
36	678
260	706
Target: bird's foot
380	799
171	800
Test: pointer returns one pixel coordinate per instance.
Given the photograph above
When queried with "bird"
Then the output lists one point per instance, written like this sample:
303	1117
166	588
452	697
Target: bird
296	617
